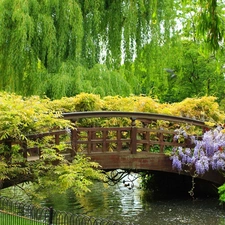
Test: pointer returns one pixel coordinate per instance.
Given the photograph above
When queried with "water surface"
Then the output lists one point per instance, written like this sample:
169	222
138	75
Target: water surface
138	206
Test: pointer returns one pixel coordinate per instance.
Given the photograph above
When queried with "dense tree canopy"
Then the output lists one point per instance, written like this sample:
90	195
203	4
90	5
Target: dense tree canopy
186	71
52	47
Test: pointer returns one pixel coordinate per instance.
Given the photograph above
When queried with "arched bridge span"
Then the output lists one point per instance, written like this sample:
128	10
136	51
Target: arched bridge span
129	140
124	140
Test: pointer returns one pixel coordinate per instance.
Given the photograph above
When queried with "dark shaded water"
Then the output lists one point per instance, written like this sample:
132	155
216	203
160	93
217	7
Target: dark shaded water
138	206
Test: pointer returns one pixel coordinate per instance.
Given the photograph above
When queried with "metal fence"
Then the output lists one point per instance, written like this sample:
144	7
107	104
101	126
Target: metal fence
17	213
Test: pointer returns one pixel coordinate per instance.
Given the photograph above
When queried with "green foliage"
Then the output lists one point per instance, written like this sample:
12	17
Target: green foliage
77	176
201	73
177	70
23	116
221	191
87	102
145	180
205	108
73	50
55	48
208	21
73	79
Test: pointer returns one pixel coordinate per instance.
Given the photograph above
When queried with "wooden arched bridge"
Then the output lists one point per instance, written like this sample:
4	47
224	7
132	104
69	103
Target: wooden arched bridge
123	140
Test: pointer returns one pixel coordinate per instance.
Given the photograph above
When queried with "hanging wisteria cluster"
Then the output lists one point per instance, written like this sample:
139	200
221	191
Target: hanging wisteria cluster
206	153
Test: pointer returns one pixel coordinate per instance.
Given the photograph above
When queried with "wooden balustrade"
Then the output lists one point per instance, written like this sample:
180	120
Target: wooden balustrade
132	139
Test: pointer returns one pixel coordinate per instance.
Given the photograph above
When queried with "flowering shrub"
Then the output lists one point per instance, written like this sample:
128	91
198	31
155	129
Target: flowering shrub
207	152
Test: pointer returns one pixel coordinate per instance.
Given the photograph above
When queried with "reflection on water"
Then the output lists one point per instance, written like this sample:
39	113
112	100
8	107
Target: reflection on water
138	207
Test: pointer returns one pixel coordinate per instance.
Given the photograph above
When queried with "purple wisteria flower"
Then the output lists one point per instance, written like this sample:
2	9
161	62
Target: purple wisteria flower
202	165
218	161
180	133
208	152
176	163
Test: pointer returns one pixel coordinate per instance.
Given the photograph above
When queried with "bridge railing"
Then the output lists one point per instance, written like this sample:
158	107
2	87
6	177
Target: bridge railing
101	139
121	139
32	148
54	138
146	133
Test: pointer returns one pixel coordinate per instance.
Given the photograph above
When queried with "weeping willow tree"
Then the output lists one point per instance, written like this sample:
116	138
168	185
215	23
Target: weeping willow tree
35	38
40	38
162	67
70	81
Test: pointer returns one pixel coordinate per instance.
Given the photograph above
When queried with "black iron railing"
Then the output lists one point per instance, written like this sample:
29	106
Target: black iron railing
17	213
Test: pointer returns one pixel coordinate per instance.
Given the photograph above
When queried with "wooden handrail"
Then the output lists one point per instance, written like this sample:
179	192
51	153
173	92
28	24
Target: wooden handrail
135	115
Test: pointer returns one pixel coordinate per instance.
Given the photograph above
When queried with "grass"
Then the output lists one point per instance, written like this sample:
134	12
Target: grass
9	219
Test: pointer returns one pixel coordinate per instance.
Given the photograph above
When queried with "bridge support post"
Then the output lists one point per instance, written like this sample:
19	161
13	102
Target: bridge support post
133	141
73	142
133	137
24	149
